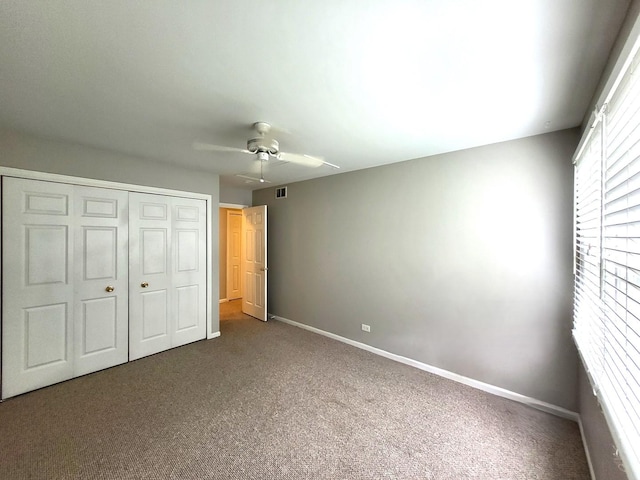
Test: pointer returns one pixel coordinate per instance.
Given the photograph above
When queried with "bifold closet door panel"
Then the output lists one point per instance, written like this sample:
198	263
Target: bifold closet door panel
189	276
101	324
37	282
167	272
65	282
149	274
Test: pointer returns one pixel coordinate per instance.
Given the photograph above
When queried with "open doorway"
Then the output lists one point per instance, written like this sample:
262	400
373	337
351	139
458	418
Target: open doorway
243	259
230	260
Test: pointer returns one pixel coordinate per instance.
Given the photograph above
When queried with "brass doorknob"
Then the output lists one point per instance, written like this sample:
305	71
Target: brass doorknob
144	284
109	288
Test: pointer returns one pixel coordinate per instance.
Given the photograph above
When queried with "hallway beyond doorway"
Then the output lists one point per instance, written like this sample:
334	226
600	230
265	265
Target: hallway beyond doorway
231	310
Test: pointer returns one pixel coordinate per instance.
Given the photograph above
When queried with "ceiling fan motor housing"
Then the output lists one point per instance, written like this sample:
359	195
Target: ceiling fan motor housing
261	144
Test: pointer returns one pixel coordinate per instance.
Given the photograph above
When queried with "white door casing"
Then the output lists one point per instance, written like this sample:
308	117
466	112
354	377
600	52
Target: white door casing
57	322
167	272
254	262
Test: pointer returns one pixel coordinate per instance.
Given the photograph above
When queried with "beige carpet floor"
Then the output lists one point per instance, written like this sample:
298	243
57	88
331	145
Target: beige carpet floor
272	401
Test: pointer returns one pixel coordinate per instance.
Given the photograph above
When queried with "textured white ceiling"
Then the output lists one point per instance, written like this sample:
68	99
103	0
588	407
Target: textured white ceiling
359	82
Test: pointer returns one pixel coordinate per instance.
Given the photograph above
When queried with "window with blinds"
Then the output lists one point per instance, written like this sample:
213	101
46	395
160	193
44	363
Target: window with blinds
607	261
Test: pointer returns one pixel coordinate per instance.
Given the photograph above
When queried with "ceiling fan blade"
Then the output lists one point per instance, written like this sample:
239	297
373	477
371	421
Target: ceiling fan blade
301	159
208	147
247	177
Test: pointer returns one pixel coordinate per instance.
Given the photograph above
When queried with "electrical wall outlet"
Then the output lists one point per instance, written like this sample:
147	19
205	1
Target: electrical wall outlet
366	328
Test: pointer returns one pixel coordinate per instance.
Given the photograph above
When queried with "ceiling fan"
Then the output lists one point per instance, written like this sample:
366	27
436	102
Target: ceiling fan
264	147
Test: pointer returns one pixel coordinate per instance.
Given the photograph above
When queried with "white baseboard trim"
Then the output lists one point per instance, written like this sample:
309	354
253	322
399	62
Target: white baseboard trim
501	392
223	300
214	335
586	449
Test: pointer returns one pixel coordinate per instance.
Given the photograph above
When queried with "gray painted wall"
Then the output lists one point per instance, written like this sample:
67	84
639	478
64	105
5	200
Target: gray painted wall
235	196
462	261
19	150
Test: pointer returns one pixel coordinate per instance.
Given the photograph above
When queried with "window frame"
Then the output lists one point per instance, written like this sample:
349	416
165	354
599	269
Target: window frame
594	307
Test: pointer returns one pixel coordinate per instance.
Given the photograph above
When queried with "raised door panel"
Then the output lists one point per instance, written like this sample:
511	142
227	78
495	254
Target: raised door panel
44	334
187	260
155	320
258	298
38	295
188	300
100	253
101	279
98	326
46	252
153	251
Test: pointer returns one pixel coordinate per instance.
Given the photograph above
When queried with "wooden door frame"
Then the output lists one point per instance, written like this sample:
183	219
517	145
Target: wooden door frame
89	182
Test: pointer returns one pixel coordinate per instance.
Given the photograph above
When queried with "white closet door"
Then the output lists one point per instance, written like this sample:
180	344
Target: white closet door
37	280
65	285
149	274
101	273
167	273
189	276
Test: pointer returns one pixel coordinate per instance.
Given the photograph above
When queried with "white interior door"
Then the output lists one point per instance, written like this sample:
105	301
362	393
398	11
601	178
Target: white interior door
101	279
62	246
234	254
37	281
254	262
167	272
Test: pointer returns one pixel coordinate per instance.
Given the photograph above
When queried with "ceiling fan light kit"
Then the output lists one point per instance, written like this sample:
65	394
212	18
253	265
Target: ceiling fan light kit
263	144
262	155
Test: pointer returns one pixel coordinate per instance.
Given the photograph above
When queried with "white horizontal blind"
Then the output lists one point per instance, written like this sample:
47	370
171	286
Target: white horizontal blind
621	256
588	233
607	319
